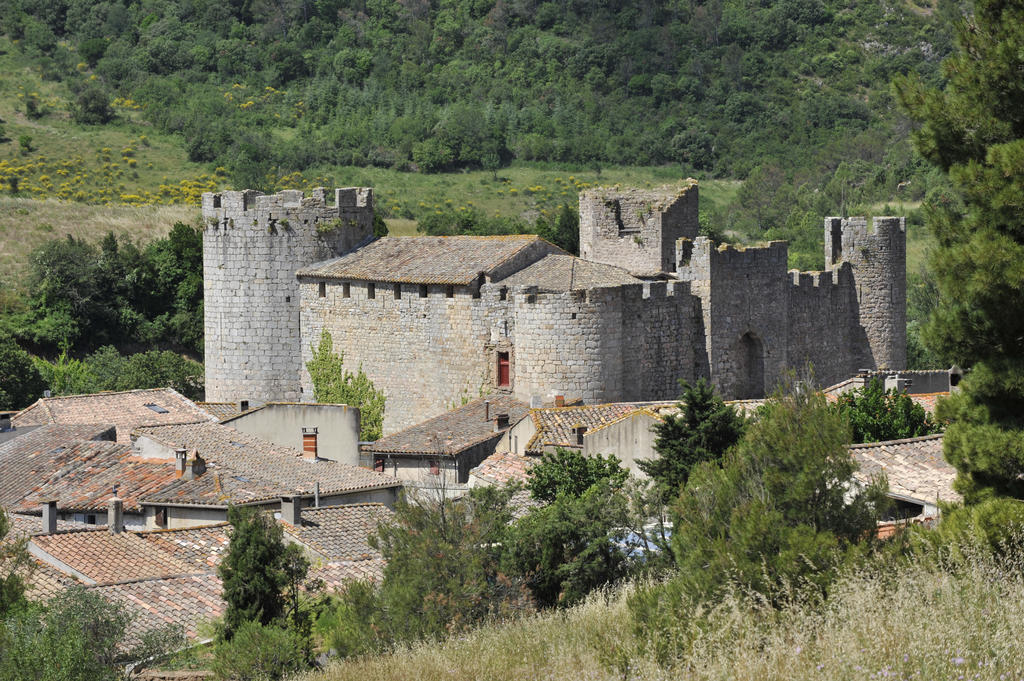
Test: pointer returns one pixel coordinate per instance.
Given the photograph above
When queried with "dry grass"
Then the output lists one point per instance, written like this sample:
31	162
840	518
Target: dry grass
26	223
917	622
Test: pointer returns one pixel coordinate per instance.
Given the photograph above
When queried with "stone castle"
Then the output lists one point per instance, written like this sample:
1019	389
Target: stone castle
434	321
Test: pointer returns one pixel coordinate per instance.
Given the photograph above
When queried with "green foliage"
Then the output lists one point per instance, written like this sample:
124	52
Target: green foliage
20	381
77	636
93	49
781	511
92	107
442	574
562	230
875	414
107	369
995	525
25	144
334	384
259	652
703	430
971	131
15	564
567	472
570	547
260	575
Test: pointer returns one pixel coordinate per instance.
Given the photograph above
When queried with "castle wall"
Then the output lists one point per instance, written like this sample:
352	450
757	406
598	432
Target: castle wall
636	229
426	354
659	336
252	246
822	324
879	265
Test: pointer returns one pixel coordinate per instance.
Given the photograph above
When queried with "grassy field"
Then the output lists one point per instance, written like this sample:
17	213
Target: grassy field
915	622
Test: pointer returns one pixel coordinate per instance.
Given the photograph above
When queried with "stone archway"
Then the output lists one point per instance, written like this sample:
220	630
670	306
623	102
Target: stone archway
750	368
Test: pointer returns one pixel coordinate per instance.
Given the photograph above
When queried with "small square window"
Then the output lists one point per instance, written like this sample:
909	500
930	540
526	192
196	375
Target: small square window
423	290
323	289
371	290
449	291
346	290
503	293
157	408
398	291
378	465
287	299
435	466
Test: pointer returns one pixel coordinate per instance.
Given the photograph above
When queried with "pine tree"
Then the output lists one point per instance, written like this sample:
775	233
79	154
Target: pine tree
703	430
973	130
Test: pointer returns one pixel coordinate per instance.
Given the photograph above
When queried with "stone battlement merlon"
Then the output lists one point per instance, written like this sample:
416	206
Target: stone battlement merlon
254	205
812	279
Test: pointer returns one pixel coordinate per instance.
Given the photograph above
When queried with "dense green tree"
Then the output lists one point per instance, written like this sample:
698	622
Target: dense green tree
257	570
973	130
93	107
15	564
20	382
334	384
876	414
567	472
703	430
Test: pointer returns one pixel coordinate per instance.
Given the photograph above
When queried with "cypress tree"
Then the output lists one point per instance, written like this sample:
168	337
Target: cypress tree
973	130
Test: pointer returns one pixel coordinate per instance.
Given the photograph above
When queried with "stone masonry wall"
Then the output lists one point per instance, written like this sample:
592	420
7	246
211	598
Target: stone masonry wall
660	338
252	246
426	354
822	324
879	265
637	229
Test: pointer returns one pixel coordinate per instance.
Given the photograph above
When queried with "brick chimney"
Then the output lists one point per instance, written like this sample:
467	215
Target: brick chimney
49	507
291	510
180	459
115	515
559	400
196	467
309	443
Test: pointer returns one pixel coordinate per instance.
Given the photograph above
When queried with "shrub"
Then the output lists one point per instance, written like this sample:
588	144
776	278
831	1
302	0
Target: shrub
876	414
259	652
566	472
92	107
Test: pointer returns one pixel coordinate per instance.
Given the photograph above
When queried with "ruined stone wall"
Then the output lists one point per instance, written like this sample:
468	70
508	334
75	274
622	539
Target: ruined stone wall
252	246
637	229
822	328
426	354
744	312
879	265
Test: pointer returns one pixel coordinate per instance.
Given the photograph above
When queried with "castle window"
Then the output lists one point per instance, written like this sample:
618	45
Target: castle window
434	466
216	200
398	291
287	299
346	290
378	465
503	293
371	290
449	291
323	289
423	290
480	281
504	370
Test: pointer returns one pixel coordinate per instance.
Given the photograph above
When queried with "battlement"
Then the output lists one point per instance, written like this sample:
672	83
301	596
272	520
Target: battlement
811	279
850	239
700	258
352	207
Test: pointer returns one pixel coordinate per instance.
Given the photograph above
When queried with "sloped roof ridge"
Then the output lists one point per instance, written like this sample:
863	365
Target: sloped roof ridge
903	441
333	506
158	578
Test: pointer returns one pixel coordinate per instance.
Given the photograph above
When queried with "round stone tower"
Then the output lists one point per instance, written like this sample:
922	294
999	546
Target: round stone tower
252	246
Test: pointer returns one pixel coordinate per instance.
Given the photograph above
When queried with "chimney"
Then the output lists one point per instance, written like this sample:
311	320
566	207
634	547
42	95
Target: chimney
243	406
5	423
487	410
115	515
559	400
579	430
49	507
180	457
500	422
956	374
291	510
309	444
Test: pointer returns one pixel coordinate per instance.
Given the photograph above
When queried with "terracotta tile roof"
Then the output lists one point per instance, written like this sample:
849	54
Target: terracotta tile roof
336	574
915	467
555	425
561	273
220	410
85	473
126	410
45	581
202	548
186	601
502	468
427	259
244	468
102	558
23	525
340	532
34	457
928	400
454	431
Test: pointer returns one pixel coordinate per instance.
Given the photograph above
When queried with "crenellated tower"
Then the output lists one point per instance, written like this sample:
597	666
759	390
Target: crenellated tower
252	246
878	261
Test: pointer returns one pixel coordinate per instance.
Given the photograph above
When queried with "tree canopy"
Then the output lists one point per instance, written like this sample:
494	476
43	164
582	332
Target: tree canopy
876	414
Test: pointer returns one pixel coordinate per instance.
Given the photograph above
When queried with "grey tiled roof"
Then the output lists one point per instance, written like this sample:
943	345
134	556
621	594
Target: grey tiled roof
502	468
185	601
220	410
915	467
34	457
454	431
426	259
243	468
127	410
560	273
336	574
340	532
555	425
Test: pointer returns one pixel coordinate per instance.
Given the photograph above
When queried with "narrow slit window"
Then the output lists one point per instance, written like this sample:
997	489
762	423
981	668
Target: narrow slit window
322	289
503	293
398	291
449	291
346	290
423	290
371	290
504	370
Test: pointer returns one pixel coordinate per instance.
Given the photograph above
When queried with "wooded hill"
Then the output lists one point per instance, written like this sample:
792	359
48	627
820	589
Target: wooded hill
718	87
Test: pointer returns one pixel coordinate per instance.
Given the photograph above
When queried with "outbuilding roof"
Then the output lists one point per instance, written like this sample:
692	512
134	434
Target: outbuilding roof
555	426
915	468
428	259
341	532
127	410
558	273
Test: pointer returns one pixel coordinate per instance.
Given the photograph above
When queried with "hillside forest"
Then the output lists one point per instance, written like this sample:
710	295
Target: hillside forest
467	116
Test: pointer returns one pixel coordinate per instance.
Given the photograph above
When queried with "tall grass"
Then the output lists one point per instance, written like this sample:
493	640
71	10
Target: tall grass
921	620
